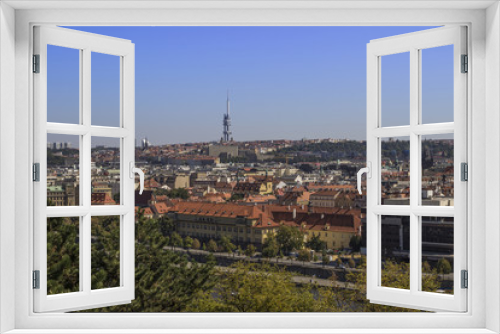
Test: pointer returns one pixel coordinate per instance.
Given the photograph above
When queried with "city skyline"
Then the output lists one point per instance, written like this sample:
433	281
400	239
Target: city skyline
285	82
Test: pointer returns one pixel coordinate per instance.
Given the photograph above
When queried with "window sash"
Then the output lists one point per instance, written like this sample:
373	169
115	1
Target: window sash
86	297
413	43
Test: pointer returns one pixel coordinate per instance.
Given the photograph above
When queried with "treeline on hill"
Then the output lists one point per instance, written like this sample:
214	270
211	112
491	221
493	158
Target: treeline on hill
181	193
57	160
350	149
168	281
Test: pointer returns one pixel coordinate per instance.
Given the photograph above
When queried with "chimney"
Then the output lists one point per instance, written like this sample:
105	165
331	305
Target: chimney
302	206
322	216
294	213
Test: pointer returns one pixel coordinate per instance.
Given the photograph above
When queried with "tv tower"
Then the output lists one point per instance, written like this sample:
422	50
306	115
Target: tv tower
226	123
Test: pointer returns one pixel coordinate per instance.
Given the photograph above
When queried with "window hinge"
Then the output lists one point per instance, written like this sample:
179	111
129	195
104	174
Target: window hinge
36	279
464	172
465	279
36	63
36	172
465	64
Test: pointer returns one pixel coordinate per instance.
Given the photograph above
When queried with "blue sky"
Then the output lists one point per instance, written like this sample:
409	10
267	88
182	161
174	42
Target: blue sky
284	82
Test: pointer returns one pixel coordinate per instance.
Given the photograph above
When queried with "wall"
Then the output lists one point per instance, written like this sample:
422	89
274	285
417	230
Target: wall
7	157
492	145
218	17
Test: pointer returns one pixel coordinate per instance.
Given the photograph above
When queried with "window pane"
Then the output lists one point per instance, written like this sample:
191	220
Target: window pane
437	84
63	85
63	255
395	251
105	89
437	170
63	170
105	252
105	171
395	90
395	171
437	254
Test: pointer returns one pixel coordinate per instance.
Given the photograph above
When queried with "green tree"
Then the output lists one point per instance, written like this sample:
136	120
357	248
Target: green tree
178	193
226	244
196	244
362	261
250	250
166	281
176	240
353	298
355	243
289	238
324	257
212	246
304	255
270	248
352	263
236	197
249	287
339	261
62	255
443	266
188	242
316	243
105	250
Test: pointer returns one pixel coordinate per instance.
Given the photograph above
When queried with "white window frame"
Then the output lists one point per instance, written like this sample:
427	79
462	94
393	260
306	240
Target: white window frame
86	44
414	43
484	50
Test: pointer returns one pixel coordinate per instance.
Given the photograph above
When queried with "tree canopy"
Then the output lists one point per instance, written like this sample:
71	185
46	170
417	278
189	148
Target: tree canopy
289	238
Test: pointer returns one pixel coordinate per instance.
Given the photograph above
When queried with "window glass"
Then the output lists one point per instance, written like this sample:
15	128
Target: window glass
437	170
63	170
105	254
296	137
395	89
395	252
395	171
105	169
437	84
63	255
63	84
105	89
437	254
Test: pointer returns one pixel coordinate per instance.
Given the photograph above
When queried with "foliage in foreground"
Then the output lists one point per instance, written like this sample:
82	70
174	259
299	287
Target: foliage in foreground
167	281
251	287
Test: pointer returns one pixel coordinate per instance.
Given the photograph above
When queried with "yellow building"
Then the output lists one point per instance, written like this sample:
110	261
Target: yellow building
333	238
334	226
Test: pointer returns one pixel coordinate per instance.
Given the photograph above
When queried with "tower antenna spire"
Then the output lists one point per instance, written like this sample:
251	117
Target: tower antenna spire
226	122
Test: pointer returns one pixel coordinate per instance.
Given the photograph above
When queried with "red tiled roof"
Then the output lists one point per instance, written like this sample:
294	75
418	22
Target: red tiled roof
228	210
102	199
160	208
